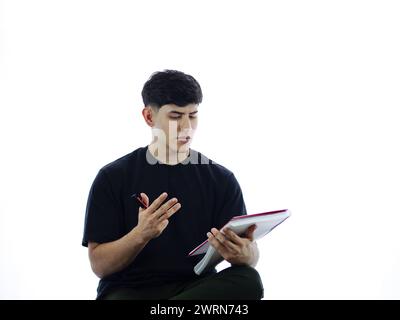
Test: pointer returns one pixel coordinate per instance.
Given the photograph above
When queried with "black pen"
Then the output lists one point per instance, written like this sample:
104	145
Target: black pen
139	200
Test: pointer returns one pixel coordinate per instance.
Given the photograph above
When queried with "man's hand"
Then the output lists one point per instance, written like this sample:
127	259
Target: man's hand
234	249
153	220
111	257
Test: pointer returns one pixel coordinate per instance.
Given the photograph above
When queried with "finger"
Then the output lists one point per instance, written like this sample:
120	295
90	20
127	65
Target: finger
145	198
250	232
160	211
171	211
164	224
218	235
222	250
215	243
156	203
223	240
233	237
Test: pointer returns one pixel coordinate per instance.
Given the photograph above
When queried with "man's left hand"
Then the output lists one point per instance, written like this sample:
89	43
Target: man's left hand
234	249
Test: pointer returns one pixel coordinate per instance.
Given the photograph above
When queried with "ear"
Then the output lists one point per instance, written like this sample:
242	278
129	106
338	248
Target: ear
148	115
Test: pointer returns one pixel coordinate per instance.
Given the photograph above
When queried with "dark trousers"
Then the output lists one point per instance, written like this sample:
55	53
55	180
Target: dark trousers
233	283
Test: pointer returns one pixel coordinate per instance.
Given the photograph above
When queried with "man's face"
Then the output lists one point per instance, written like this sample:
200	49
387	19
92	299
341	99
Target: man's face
175	126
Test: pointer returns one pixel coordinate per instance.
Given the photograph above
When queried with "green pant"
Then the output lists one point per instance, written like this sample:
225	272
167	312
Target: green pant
233	283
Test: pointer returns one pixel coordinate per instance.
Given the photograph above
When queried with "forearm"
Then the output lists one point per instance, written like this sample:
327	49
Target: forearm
108	258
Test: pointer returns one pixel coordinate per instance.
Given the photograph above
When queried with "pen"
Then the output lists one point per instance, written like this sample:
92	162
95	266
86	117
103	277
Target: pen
139	200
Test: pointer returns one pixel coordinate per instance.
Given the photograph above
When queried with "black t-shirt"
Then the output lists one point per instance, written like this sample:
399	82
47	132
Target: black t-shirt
209	194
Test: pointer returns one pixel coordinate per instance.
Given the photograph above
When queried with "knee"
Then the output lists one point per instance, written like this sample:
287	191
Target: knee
251	280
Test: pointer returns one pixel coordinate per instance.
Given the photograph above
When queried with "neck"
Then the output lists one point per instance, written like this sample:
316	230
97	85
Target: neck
169	157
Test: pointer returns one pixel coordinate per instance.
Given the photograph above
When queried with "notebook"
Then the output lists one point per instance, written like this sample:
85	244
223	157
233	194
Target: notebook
265	221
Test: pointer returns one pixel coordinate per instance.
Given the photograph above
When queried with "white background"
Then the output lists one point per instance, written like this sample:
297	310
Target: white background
301	102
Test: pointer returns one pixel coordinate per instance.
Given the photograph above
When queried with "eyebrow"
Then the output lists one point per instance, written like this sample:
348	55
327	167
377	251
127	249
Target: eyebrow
177	112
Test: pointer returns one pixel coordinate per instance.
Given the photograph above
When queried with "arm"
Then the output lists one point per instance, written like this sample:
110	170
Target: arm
111	257
108	258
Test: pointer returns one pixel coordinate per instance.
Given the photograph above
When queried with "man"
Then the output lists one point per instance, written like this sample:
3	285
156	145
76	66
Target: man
142	253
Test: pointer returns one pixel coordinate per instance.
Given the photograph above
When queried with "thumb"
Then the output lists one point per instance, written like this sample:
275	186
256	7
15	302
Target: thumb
145	200
250	232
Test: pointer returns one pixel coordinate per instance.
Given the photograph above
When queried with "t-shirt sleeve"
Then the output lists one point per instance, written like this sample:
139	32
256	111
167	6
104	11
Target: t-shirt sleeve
102	212
232	202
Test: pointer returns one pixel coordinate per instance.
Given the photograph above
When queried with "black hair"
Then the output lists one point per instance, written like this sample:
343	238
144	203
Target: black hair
171	87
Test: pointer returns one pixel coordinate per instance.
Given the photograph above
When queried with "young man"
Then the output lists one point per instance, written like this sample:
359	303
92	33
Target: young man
142	253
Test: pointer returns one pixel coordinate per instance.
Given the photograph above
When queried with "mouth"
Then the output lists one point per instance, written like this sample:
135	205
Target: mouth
185	139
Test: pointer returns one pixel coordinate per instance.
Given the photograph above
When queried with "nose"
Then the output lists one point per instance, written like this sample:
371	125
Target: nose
185	123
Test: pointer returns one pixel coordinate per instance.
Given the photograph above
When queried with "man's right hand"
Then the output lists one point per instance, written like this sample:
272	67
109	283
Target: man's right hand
153	220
